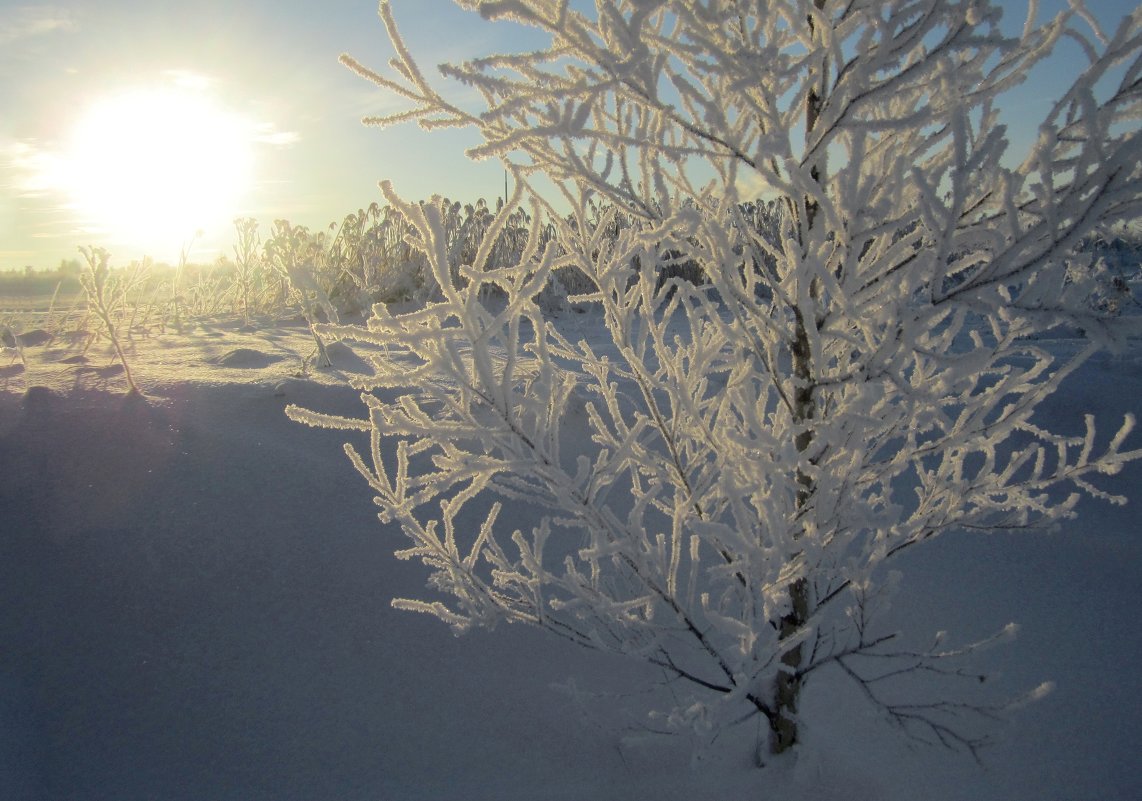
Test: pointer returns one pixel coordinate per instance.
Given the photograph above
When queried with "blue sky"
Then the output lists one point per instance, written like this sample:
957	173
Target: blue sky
270	64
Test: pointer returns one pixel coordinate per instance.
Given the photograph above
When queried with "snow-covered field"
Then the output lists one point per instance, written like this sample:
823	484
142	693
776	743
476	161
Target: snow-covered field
194	604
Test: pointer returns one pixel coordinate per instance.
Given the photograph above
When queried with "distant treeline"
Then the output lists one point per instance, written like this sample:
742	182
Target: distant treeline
31	281
370	243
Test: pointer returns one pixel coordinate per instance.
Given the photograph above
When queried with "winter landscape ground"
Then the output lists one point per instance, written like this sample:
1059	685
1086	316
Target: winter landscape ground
194	603
626	405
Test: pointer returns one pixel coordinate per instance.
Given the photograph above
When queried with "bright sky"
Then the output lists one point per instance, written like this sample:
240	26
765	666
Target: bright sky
248	97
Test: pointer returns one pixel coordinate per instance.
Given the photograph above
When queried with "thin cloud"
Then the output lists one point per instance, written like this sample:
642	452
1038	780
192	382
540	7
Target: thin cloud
268	135
32	172
28	22
188	79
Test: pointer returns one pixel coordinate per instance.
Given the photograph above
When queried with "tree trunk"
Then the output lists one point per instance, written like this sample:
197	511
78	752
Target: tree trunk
788	684
787	690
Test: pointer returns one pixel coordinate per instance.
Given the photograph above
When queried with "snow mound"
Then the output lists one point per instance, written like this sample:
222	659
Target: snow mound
245	359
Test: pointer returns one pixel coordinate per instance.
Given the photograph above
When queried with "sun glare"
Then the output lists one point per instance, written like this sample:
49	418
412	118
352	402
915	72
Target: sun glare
149	167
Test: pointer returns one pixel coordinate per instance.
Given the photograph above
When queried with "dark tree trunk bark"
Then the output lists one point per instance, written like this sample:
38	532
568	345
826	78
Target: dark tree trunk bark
787	690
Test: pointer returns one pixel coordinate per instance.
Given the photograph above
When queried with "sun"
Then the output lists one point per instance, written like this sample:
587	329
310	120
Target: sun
150	166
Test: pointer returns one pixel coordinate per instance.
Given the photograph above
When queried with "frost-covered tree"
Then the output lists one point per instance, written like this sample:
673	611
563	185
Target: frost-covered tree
855	371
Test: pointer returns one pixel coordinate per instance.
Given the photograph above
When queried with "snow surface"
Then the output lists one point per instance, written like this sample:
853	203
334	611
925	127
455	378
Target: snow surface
194	604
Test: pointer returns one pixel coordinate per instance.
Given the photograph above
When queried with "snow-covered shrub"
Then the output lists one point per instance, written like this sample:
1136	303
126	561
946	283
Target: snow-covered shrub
108	295
371	263
856	372
252	288
1115	263
299	257
369	259
10	340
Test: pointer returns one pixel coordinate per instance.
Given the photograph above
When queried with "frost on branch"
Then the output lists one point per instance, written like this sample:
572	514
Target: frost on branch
852	367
